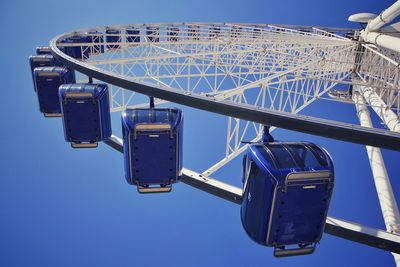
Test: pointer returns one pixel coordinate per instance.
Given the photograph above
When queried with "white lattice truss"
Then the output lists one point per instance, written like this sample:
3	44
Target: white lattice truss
280	68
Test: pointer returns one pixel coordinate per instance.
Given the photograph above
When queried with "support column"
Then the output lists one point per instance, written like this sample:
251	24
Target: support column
385	17
371	33
386	197
382	40
381	109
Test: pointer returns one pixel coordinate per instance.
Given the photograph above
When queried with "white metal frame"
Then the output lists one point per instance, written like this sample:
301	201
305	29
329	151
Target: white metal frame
270	67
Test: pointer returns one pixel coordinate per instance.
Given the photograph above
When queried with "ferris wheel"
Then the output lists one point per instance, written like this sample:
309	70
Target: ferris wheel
258	76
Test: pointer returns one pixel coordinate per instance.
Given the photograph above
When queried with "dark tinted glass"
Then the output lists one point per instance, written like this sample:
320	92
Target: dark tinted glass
305	155
162	116
266	156
320	154
143	115
282	156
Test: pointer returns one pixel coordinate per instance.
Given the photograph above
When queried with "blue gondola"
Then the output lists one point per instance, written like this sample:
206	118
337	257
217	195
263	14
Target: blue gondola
287	189
194	32
97	39
257	33
47	82
306	29
153	34
113	36
152	148
235	31
173	33
43	50
214	32
43	60
350	34
86	114
77	51
133	35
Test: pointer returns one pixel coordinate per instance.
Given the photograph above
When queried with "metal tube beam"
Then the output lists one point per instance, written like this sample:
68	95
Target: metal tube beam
385	17
337	227
363	234
381	109
386	197
382	40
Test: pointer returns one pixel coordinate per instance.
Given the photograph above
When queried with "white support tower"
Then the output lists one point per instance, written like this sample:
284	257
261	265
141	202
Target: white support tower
382	100
386	197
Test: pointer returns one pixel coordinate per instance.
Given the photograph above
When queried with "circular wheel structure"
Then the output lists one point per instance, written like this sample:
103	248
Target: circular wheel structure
255	75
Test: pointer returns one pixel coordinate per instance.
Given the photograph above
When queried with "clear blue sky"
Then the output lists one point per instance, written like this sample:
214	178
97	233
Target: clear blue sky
65	207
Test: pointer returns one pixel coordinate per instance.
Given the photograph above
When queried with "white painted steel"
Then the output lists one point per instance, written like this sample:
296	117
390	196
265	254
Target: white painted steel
278	68
385	17
371	33
287	67
362	17
386	197
391	29
383	40
390	119
378	69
